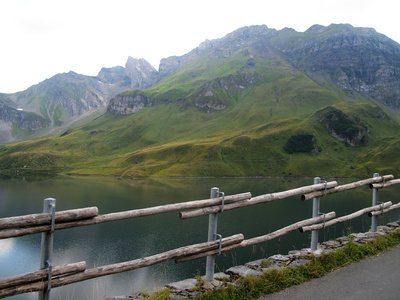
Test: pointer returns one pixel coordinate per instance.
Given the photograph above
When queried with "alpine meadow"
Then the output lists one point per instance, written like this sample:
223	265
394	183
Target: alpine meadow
257	102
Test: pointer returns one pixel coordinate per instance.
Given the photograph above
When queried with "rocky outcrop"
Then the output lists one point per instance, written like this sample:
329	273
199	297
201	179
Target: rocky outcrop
215	94
138	74
129	103
342	127
21	119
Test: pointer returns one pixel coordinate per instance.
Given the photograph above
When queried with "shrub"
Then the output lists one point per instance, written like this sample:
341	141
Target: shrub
300	143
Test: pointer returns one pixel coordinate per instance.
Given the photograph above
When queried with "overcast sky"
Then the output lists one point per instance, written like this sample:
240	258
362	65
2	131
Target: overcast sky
40	38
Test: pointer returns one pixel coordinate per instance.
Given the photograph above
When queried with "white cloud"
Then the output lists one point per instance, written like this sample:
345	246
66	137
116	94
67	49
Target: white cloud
41	38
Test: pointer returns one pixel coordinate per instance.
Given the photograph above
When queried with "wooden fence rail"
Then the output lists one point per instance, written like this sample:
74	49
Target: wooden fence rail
119	267
136	213
385	210
346	218
383	185
345	187
42	275
71	273
264	238
44	218
258	200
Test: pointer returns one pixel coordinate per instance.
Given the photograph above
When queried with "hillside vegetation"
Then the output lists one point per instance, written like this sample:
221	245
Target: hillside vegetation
253	104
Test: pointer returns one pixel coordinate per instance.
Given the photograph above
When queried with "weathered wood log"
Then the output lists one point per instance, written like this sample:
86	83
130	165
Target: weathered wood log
7	233
257	200
42	218
346	218
383	185
261	239
385	210
122	267
42	274
345	187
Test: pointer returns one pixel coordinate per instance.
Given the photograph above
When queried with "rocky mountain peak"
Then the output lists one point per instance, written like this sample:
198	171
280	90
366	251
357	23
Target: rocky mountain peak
249	32
141	73
139	64
216	48
316	29
206	45
286	31
111	75
335	31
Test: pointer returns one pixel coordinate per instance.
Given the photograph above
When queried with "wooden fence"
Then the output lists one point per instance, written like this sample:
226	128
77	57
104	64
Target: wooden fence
54	276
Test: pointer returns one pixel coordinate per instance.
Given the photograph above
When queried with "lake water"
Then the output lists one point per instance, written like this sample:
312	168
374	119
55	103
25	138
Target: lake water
126	240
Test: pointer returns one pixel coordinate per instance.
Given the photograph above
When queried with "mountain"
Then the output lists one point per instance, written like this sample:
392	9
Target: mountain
354	61
357	60
257	102
64	99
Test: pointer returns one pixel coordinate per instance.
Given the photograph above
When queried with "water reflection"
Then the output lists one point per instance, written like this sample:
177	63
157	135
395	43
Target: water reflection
6	246
131	239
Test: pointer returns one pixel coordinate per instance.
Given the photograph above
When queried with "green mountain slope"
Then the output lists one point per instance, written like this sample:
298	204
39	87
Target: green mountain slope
67	99
245	107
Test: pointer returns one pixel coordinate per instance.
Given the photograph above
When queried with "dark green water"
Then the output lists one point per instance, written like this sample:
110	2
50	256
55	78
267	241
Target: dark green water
131	239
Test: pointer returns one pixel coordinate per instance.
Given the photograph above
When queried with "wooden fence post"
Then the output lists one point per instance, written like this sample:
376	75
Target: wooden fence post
314	233
49	206
212	231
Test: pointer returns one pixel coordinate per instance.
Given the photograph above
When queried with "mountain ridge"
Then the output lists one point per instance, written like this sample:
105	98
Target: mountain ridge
257	102
350	80
66	96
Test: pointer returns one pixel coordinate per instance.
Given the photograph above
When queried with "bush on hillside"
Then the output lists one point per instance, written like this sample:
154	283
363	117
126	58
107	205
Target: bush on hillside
300	143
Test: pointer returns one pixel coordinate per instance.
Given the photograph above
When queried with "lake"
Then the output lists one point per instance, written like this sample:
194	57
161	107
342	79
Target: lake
126	240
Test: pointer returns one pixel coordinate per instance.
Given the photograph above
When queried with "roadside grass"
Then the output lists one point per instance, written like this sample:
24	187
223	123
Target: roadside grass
275	280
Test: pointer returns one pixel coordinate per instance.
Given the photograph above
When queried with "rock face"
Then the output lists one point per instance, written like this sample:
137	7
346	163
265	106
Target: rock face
357	60
140	73
128	104
343	127
23	121
210	96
